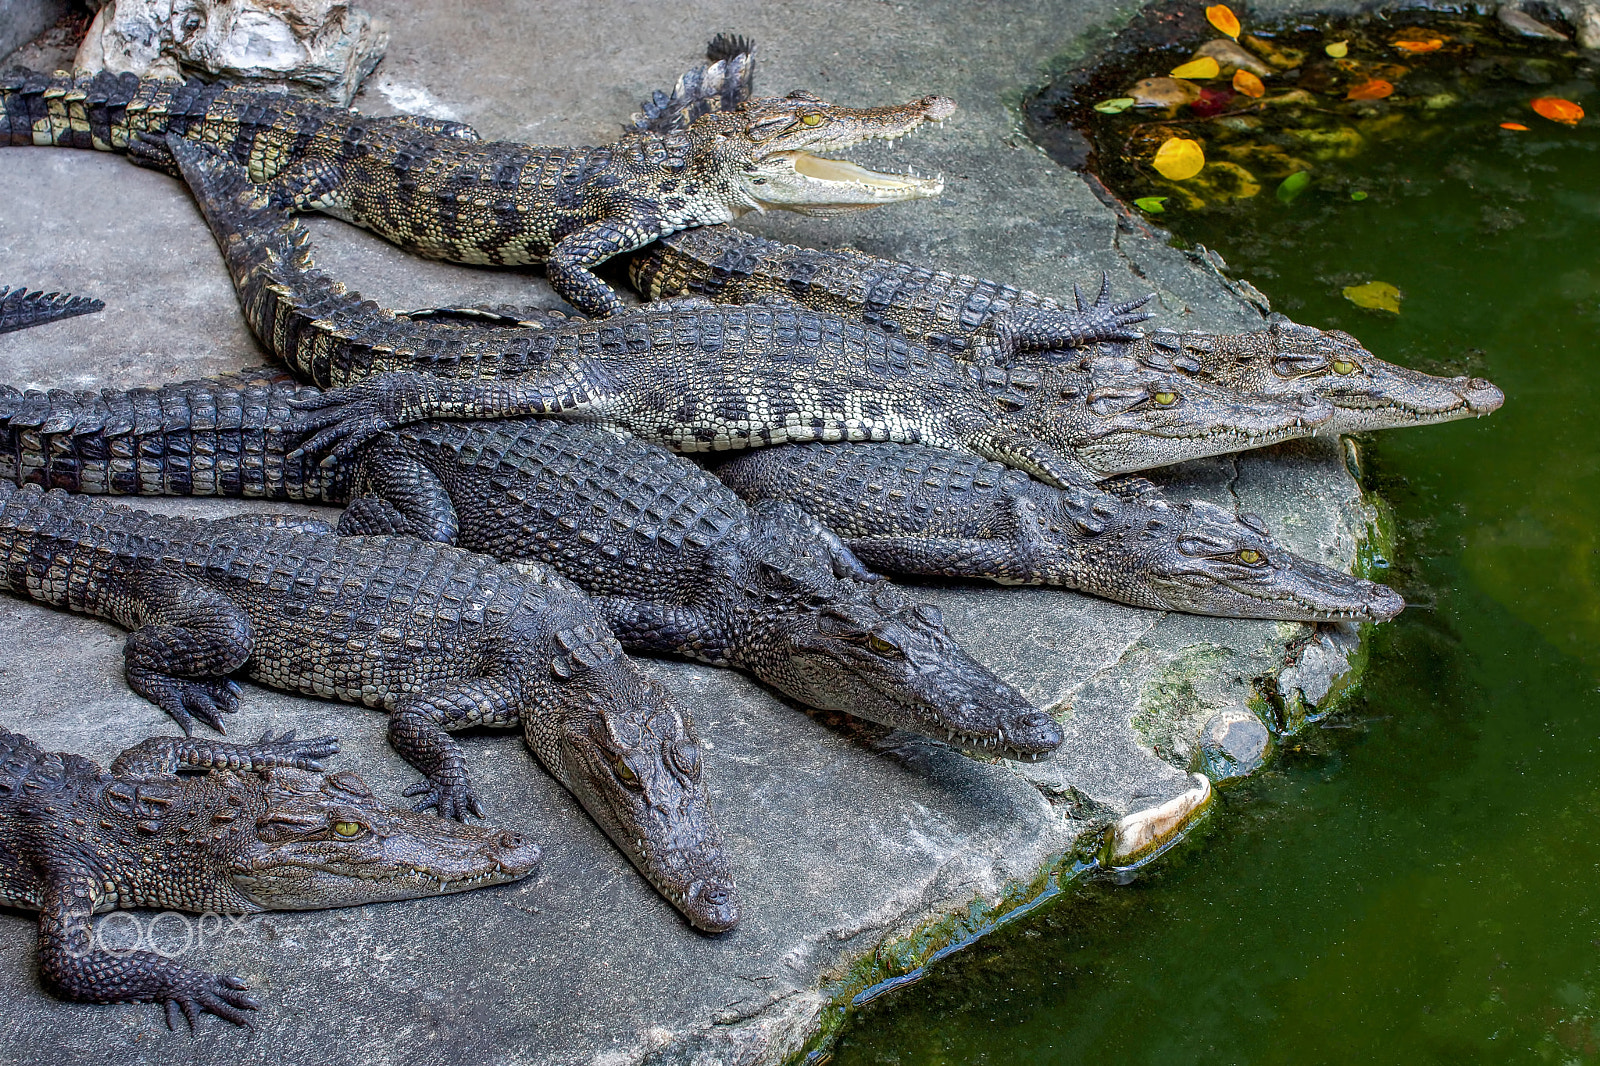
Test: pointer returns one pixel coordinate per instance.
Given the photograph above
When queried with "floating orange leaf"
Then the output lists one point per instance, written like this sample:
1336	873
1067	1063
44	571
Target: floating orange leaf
1558	110
1179	158
1224	20
1513	126
1376	89
1247	83
1417	47
1204	67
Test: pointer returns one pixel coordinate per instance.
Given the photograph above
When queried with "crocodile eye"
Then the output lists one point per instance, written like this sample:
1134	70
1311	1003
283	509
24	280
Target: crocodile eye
881	645
624	772
347	830
811	118
1343	366
1165	399
1249	556
686	759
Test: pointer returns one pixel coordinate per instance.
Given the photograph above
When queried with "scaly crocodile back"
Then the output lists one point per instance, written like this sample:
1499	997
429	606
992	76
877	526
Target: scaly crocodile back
198	438
936	308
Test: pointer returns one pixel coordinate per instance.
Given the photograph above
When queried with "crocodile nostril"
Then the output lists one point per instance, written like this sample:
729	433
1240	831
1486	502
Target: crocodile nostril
512	841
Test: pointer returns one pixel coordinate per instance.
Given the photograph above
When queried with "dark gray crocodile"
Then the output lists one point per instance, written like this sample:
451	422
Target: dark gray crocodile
208	827
436	189
20	309
914	510
440	638
674	561
986	322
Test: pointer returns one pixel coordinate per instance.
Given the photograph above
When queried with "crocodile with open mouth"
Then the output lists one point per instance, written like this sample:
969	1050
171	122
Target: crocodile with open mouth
440	638
436	189
210	827
909	509
674	562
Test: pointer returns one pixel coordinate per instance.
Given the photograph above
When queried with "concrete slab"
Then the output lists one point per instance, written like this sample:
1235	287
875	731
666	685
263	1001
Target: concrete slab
845	840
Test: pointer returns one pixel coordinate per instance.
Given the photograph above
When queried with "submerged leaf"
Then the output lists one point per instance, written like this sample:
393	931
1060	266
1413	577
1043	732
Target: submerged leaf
1224	20
1358	195
1293	186
1155	205
1338	49
1179	158
1114	106
1376	89
1513	126
1377	295
1418	47
1247	83
1556	109
1202	68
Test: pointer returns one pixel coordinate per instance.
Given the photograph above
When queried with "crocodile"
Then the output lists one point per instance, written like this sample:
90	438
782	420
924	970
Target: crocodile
675	562
990	323
441	638
436	189
910	509
211	828
20	309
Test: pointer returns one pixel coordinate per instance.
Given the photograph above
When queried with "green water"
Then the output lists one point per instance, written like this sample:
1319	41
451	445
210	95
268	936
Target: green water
1418	882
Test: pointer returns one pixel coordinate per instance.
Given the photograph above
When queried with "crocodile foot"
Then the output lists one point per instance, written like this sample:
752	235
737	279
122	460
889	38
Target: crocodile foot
452	799
186	699
193	992
1106	321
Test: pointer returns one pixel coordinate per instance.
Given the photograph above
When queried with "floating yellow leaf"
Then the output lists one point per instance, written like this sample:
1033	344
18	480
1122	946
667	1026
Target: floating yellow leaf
1378	295
1513	126
1202	68
1558	110
1417	47
1179	158
1376	89
1223	19
1338	49
1247	83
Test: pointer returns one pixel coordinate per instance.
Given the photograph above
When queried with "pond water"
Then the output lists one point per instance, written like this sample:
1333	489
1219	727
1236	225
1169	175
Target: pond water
1416	879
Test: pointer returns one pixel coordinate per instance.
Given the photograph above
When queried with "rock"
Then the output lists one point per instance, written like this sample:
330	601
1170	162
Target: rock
1231	57
1164	92
1234	743
1520	22
1141	836
23	20
324	46
1585	18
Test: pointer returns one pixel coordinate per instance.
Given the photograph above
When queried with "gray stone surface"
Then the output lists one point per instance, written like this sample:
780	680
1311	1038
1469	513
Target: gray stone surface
23	20
842	837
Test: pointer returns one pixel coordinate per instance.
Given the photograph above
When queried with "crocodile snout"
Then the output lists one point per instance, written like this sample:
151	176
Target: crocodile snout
1482	396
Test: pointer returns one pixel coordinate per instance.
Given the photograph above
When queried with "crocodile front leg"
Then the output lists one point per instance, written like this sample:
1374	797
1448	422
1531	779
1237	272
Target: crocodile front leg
74	967
570	263
419	728
164	755
186	639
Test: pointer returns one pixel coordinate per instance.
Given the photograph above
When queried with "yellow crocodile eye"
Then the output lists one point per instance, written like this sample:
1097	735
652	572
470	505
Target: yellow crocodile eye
1165	399
1343	366
811	118
1249	555
624	772
347	829
880	645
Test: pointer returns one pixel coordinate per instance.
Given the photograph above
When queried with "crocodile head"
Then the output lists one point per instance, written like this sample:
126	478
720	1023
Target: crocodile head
1366	392
863	647
628	752
1116	417
319	840
1198	558
768	153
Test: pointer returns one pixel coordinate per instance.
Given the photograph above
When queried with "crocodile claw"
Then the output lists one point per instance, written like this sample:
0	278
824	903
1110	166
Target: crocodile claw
452	800
221	994
1106	321
285	750
342	420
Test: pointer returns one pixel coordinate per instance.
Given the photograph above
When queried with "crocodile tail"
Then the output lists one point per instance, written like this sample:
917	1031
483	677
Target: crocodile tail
324	332
102	111
723	84
197	438
20	309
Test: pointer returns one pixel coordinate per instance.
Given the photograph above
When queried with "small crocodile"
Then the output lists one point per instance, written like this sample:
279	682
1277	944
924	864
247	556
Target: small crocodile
212	828
435	189
674	561
914	510
986	322
440	638
20	309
